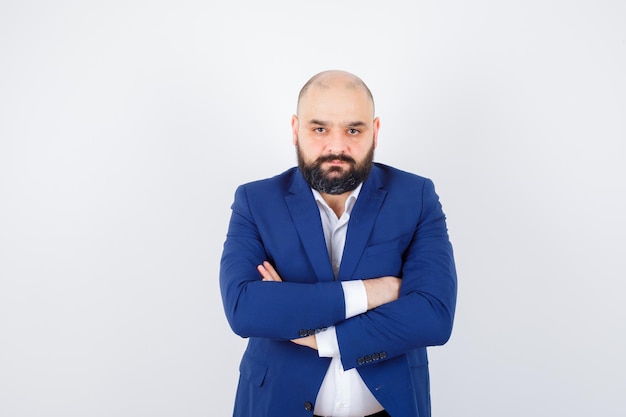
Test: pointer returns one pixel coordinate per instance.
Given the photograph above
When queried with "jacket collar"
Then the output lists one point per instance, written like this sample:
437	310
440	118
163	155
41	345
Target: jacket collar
306	218
361	224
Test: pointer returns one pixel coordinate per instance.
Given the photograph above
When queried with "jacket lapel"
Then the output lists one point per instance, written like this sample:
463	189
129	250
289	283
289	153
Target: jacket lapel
306	218
362	220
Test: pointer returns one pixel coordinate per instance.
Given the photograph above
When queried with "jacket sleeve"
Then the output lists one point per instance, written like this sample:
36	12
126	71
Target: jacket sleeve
423	314
276	310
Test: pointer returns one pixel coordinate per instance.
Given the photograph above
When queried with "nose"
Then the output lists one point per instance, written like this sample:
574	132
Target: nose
337	142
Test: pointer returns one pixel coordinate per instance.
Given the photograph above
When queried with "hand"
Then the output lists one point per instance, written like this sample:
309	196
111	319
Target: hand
308	341
381	291
268	273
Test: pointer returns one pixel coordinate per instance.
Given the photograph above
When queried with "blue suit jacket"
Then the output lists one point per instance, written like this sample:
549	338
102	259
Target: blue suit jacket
396	228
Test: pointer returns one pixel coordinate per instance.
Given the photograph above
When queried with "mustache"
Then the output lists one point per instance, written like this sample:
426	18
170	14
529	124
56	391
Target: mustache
335	157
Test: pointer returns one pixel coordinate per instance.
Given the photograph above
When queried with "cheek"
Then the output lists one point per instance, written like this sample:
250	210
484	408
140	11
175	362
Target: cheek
311	149
306	152
360	151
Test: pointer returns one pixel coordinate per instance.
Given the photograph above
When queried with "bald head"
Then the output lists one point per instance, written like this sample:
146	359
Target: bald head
327	80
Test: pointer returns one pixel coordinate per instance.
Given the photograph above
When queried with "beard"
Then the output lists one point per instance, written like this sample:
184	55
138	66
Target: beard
334	180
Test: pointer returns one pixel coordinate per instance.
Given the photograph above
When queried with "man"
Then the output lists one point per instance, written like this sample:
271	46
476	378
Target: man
340	272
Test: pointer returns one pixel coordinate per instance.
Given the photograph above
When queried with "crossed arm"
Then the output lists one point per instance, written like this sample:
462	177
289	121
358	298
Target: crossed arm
420	315
379	291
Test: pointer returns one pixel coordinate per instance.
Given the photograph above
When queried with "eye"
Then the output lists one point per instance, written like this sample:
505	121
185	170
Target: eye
353	132
319	129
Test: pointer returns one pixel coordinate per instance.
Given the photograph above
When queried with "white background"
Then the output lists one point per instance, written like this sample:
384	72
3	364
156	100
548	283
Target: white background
125	127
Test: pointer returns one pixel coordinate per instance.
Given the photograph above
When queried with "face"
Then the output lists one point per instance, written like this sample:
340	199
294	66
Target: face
335	134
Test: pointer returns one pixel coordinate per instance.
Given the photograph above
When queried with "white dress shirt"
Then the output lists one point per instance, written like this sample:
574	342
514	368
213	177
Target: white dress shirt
343	393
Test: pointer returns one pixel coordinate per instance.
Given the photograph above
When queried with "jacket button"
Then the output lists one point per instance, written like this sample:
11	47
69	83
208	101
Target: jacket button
360	361
303	333
376	356
308	406
383	355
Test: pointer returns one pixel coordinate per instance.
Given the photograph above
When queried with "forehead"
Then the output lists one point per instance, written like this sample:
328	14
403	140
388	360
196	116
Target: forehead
345	99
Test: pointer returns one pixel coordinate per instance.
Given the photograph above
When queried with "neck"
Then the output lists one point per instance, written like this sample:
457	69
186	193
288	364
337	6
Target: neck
337	202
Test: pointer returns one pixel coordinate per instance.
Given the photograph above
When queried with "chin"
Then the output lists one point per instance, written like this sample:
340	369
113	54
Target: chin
331	175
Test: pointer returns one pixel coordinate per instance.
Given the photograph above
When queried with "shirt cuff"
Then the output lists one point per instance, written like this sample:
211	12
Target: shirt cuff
327	344
355	297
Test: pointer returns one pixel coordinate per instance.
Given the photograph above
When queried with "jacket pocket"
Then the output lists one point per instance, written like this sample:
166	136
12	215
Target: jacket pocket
252	370
384	258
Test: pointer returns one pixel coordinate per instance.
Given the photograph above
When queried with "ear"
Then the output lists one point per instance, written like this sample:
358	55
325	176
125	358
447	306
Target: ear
376	127
294	129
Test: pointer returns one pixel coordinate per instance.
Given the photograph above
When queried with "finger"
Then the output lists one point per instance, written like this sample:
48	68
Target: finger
308	341
265	275
303	341
272	272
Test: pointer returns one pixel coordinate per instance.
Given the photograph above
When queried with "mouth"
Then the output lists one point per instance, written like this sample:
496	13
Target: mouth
337	162
337	165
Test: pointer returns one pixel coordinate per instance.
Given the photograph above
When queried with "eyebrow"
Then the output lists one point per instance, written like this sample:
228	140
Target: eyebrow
318	122
356	124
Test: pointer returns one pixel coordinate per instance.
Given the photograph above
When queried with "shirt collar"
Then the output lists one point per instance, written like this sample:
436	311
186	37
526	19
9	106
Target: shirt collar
349	201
